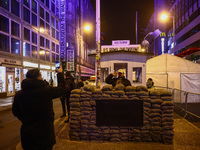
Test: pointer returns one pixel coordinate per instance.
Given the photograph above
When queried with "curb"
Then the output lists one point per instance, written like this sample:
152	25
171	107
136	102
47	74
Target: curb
58	127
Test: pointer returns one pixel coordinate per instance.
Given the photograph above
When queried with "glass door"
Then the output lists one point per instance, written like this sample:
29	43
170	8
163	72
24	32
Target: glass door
10	84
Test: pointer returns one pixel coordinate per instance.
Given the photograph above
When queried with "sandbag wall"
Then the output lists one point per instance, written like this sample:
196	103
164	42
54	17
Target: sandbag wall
157	114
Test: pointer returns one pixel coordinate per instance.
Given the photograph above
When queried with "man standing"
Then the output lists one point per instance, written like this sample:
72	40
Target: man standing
65	98
80	84
33	106
119	79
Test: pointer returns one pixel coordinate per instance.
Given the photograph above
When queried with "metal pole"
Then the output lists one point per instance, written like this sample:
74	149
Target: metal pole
136	29
173	33
79	39
98	46
79	36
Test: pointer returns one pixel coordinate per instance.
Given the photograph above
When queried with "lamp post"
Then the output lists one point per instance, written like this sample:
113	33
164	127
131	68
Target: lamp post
145	43
86	28
98	46
164	17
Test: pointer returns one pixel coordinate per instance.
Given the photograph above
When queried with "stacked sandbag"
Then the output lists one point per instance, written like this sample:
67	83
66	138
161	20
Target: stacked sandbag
146	111
85	106
167	116
88	88
156	129
115	135
94	133
135	134
96	94
131	91
75	112
107	91
105	133
141	88
119	93
124	131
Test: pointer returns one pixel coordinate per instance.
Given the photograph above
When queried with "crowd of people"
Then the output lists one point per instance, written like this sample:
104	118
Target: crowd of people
33	105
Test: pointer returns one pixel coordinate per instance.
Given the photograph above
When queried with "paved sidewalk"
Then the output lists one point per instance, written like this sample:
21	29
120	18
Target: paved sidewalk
6	103
187	137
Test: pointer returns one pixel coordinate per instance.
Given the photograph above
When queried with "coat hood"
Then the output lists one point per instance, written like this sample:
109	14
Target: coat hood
31	84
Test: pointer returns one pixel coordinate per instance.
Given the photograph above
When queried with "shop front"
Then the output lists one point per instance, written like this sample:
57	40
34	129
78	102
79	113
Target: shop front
10	77
47	71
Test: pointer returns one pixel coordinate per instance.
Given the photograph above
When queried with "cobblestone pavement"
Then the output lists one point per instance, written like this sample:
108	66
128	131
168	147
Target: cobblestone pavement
187	137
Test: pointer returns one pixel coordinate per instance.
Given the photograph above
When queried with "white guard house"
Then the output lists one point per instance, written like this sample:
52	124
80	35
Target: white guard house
125	58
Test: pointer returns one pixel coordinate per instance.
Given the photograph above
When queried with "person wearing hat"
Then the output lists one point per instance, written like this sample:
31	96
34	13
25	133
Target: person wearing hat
150	84
69	80
120	79
33	106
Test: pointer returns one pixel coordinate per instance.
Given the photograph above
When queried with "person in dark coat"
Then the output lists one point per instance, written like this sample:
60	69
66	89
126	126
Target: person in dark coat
80	84
33	106
150	84
120	79
65	98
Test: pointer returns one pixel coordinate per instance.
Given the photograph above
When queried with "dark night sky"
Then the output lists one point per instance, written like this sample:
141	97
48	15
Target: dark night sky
118	19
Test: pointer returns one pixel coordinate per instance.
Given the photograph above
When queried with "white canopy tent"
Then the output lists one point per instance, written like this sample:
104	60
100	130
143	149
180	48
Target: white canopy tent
174	72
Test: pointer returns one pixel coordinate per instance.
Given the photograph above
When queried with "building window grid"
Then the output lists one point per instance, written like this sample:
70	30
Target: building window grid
42	12
29	8
12	35
186	8
15	6
182	10
34	13
190	4
15	37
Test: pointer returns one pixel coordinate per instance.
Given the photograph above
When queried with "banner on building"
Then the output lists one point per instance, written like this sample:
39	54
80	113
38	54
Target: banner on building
62	30
70	60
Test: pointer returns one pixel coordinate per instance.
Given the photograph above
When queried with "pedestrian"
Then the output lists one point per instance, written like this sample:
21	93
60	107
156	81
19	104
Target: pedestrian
120	79
65	98
75	83
47	83
150	84
80	84
51	82
33	106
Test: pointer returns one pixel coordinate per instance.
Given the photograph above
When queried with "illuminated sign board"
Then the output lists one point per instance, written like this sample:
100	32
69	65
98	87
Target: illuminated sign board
45	67
121	42
163	45
29	64
10	61
70	60
62	30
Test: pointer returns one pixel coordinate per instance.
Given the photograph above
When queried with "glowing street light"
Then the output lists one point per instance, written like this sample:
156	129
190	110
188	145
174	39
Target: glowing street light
164	17
145	43
86	28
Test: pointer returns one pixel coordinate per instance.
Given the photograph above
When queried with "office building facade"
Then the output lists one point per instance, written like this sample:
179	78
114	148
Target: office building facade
186	15
75	43
29	38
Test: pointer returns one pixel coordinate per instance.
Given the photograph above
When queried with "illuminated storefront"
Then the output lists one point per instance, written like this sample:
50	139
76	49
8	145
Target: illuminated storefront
2	79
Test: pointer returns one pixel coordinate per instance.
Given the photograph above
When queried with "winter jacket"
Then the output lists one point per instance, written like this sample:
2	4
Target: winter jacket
70	85
114	81
80	84
33	106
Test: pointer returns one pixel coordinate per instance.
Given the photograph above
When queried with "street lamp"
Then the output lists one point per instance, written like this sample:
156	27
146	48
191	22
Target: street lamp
145	43
164	17
98	46
86	28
